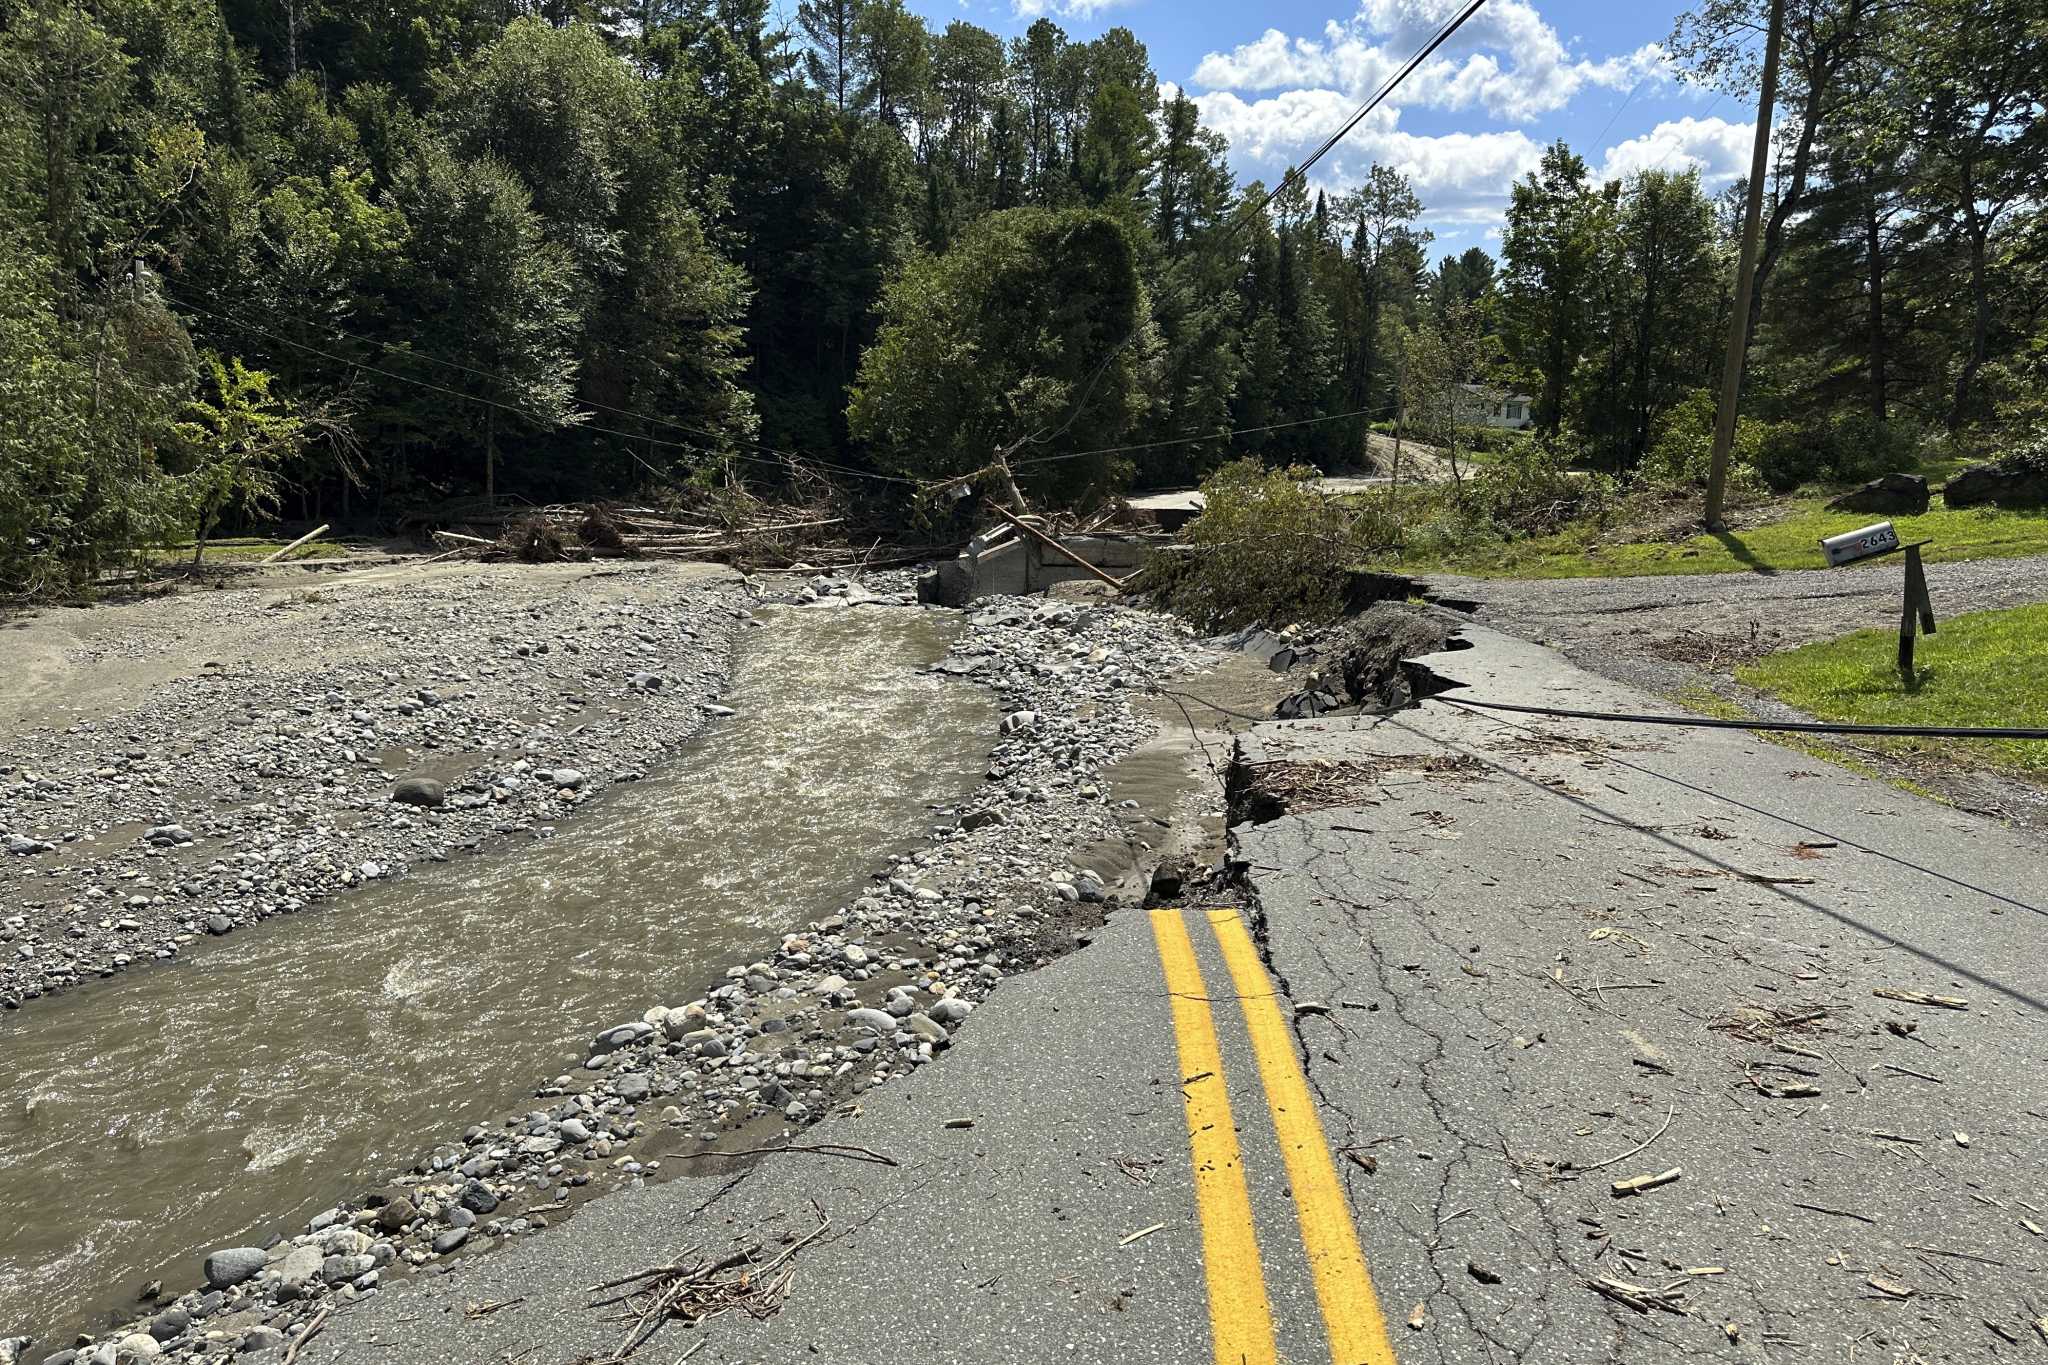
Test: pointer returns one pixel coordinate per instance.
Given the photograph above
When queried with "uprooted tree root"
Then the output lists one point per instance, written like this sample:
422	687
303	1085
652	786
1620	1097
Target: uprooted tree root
692	1290
533	540
600	529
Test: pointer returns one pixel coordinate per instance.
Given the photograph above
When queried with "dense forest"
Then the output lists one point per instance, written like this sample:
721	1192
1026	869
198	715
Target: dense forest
314	259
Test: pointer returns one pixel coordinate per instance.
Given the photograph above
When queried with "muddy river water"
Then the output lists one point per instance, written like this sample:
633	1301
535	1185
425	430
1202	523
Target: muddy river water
148	1119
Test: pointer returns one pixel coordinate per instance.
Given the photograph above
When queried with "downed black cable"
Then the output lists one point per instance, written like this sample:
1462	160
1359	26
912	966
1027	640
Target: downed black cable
1810	727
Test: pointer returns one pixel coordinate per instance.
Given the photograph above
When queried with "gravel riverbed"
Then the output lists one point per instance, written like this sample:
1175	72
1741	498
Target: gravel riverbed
337	736
837	1006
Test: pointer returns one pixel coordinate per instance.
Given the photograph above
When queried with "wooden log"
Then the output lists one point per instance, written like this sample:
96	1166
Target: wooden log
1051	544
313	534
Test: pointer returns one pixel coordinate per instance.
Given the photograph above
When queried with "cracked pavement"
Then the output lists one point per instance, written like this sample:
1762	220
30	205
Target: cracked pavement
1577	954
1607	935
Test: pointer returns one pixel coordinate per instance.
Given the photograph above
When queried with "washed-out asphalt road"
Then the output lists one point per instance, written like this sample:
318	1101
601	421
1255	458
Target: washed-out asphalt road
1502	966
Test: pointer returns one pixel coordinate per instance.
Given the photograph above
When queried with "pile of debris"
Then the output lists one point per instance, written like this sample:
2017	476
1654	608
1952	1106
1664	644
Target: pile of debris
581	531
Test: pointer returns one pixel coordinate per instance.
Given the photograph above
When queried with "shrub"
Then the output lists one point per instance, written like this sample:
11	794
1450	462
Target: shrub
1848	447
1682	448
1491	440
1529	491
1268	549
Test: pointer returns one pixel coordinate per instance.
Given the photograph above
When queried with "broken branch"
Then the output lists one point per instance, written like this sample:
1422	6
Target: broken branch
1947	1002
1636	1184
1668	1113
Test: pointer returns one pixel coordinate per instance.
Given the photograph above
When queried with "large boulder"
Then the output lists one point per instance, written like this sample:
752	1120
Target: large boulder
1891	495
2021	481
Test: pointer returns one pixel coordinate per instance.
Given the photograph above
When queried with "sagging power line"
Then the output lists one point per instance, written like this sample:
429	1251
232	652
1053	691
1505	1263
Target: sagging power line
1802	727
578	420
1245	217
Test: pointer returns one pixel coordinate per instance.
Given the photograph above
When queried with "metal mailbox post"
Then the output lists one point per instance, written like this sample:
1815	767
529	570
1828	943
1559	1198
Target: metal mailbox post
1868	542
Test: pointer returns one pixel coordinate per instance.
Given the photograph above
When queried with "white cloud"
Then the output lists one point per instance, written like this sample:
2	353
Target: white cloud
1068	9
1279	95
1507	60
1461	177
1719	149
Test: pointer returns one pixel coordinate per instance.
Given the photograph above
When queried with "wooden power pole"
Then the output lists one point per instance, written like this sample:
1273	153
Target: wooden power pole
1745	276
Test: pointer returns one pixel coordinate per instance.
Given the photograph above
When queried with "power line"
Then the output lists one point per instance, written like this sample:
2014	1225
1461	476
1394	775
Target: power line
1191	440
1804	727
1442	36
413	354
576	420
1246	216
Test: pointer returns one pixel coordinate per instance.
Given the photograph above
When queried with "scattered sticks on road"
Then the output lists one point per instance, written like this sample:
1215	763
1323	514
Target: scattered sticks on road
1637	1184
299	1342
692	1291
1834	1213
1641	1297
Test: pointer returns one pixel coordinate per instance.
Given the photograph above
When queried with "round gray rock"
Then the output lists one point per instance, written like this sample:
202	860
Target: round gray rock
230	1266
419	791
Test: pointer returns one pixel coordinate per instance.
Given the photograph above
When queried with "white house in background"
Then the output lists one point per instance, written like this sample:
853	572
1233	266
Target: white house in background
1482	405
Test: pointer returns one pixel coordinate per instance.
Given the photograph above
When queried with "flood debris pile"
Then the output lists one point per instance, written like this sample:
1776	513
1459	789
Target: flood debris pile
846	1003
812	527
253	788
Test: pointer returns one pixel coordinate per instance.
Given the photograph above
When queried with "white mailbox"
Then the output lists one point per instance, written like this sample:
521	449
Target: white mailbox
1851	546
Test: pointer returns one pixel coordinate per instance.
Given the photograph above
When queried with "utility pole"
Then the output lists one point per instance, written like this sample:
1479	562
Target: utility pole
1745	276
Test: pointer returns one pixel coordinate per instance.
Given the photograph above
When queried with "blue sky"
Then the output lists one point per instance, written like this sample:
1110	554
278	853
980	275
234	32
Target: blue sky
1277	78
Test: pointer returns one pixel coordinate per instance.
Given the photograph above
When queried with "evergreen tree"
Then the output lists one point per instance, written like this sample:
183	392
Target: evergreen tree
1549	253
490	286
1386	253
833	58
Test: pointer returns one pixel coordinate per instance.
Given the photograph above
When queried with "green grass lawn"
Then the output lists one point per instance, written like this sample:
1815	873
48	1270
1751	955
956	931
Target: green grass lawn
1791	542
1987	668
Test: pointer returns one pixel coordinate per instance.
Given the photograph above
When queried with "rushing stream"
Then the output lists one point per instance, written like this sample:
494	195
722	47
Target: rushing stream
147	1119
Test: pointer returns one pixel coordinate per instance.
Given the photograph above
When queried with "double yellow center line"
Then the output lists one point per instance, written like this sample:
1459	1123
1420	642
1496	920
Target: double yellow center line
1240	1314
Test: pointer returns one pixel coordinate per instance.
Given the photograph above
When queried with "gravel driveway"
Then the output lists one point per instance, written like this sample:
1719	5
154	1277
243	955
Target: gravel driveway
1678	634
1667	633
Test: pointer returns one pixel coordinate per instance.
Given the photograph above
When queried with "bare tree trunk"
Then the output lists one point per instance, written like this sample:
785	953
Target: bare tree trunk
1819	76
1980	325
490	455
1738	330
291	36
1646	326
1782	209
1874	254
